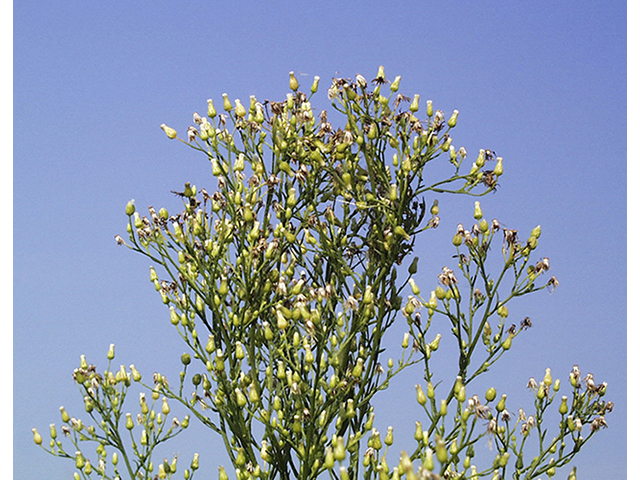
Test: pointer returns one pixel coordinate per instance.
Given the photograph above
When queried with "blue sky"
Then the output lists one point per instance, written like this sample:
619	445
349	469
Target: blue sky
542	83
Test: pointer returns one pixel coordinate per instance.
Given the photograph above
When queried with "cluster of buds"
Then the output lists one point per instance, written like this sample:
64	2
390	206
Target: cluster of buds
104	397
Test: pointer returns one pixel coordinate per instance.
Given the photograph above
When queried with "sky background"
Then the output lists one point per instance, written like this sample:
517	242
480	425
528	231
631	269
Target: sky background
542	83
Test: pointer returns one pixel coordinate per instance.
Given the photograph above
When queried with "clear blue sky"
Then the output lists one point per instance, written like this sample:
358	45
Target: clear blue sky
543	83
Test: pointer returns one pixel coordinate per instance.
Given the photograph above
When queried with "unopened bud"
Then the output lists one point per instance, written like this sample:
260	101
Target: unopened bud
453	119
314	85
240	111
37	438
414	104
171	133
395	84
130	208
477	212
293	82
498	170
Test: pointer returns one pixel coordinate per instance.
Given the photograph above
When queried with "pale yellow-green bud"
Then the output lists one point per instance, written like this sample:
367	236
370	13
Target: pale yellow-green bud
165	407
405	340
477	211
65	416
490	395
414	287
548	379
222	475
443	408
211	110
239	164
498	170
129	422
501	404
428	461
80	461
293	82
314	85
395	84
241	400
429	108
195	463
388	439
170	132
240	111
433	300
564	408
453	119
414	104
329	459
226	103
441	450
130	208
339	452
37	438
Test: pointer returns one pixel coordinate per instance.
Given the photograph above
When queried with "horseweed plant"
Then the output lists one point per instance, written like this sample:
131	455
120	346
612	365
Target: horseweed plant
284	280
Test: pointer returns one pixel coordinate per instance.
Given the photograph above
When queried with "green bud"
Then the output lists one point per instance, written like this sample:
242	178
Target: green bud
129	422
421	397
413	268
211	110
443	408
429	108
130	208
226	103
185	359
501	404
441	450
453	119
339	452
428	461
414	104
498	170
111	353
293	82
477	212
564	408
314	85
80	461
388	439
457	239
490	395
418	434
329	459
414	287
170	132
65	416
37	438
431	392
395	84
